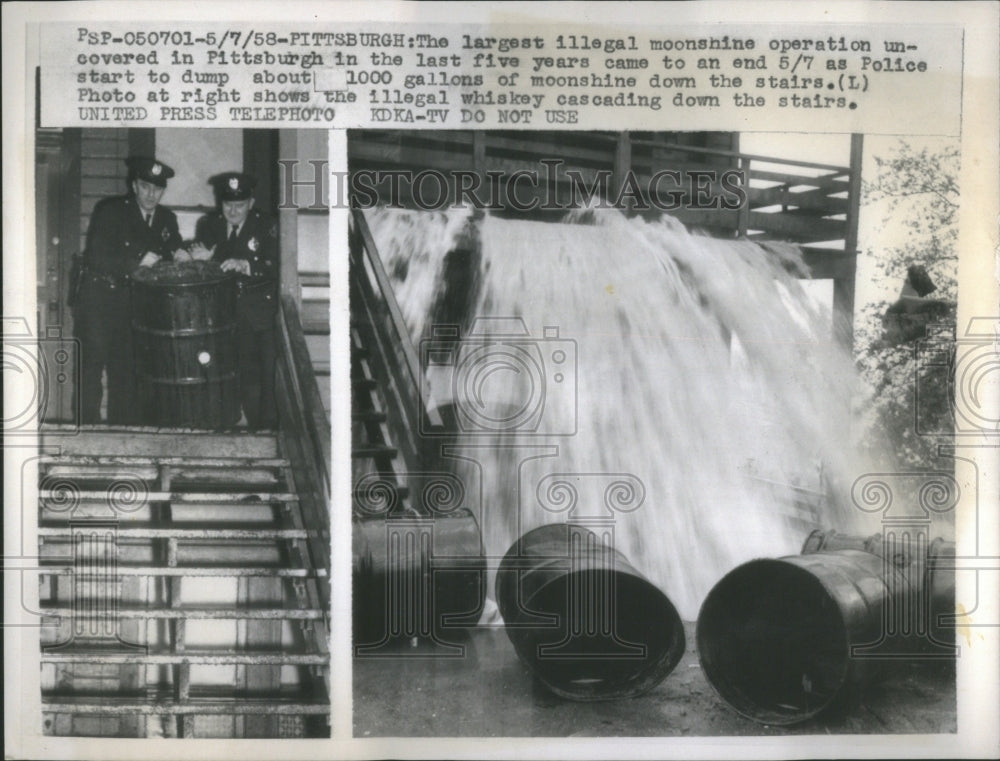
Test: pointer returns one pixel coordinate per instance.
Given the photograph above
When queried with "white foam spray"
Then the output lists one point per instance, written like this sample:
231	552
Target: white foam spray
703	369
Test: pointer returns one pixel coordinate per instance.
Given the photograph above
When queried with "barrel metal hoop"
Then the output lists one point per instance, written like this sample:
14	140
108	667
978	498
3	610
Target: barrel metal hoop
190	381
184	332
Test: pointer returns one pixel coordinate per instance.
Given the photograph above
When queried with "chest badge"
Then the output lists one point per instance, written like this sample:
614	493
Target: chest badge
164	233
252	244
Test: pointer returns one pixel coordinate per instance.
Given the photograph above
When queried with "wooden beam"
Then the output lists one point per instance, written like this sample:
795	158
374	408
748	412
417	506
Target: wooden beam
843	287
622	162
797	228
833	183
260	159
826	264
288	223
816	200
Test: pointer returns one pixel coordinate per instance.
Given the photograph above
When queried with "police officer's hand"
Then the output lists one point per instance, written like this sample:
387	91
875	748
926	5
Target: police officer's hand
236	265
149	259
199	253
180	255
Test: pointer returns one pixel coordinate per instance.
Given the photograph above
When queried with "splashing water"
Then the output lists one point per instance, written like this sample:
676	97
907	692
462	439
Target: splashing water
708	392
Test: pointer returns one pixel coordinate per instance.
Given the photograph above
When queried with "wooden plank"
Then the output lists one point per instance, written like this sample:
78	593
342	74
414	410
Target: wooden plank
198	706
288	225
497	145
831	183
155	442
200	613
124	532
817	200
735	154
829	265
622	162
185	571
408	137
298	375
713	218
369	156
314	279
843	287
227	463
227	498
188	656
796	228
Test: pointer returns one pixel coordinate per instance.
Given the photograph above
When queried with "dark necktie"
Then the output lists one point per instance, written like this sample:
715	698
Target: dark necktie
149	219
232	233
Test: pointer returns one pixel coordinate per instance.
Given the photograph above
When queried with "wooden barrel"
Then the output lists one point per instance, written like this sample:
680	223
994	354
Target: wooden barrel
184	327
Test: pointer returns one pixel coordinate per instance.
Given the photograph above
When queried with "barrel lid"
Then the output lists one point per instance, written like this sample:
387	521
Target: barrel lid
180	273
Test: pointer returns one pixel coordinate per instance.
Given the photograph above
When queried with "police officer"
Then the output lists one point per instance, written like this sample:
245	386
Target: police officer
125	233
244	240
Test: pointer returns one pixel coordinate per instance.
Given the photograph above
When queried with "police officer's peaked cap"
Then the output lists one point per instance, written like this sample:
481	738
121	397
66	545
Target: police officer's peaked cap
233	186
149	170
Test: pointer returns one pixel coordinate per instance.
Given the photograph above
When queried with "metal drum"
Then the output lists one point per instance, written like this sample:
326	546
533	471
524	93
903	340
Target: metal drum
184	325
783	640
416	577
586	622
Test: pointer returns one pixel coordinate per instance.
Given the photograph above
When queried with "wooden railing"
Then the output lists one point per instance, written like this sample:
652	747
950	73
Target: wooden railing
304	432
799	201
377	317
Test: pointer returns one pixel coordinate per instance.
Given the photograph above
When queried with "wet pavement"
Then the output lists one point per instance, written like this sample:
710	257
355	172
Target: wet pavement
486	691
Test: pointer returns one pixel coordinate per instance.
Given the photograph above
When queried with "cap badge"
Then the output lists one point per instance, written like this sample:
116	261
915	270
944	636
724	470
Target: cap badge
234	183
156	170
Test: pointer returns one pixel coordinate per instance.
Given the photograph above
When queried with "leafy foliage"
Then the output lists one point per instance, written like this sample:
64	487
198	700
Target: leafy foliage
909	405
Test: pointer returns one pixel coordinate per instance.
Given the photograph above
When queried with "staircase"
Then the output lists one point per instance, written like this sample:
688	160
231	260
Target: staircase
184	577
419	568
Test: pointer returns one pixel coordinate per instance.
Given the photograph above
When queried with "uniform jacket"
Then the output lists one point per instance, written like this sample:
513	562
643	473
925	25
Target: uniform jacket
257	242
118	237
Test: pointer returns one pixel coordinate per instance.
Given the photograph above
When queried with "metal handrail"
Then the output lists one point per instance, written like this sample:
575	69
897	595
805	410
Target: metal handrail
303	387
400	337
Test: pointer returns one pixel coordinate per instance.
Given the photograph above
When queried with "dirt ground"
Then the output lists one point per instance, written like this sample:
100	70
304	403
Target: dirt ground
488	692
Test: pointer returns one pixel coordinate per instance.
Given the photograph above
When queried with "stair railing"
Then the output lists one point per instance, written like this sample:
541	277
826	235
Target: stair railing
304	434
394	360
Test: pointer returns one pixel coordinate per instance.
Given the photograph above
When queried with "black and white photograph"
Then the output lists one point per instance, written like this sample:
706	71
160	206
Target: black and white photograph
617	471
501	380
184	464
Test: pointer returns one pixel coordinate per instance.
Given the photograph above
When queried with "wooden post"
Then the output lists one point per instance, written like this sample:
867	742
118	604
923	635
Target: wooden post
288	221
623	162
479	152
843	287
260	152
744	213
